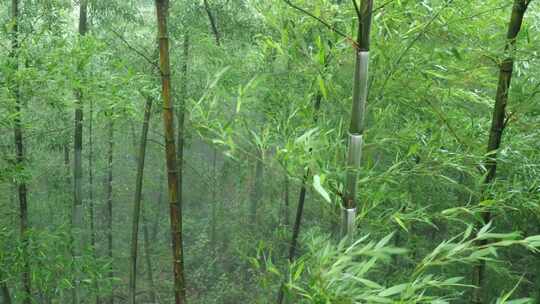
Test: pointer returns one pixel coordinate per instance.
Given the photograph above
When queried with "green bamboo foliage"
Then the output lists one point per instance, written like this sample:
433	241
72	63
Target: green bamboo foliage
356	128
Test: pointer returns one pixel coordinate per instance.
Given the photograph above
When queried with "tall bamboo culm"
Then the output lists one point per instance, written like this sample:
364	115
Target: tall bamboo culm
175	209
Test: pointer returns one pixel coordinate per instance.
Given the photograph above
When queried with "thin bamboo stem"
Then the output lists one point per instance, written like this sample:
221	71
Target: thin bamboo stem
498	124
137	201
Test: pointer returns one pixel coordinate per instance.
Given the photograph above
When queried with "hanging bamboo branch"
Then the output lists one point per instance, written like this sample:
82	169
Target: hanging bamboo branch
323	22
356	128
498	124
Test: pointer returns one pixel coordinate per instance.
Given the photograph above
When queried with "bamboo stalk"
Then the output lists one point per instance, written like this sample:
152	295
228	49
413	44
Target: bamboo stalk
170	153
356	128
498	124
296	231
137	201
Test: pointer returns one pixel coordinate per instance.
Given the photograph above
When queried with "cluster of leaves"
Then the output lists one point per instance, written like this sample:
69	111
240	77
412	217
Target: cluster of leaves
357	272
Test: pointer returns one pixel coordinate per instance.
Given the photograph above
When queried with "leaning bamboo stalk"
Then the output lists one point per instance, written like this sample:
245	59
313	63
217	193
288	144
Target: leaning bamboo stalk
170	152
137	201
356	128
498	124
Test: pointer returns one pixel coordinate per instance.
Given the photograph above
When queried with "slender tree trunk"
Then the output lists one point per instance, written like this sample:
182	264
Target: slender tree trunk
19	147
77	216
356	129
162	7
296	231
91	191
110	299
498	124
137	201
148	258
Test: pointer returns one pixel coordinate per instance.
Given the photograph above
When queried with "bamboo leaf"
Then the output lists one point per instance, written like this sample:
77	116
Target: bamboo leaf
322	87
318	187
400	223
396	289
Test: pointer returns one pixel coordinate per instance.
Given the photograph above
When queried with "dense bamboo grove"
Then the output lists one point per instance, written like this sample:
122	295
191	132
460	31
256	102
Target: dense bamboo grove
276	151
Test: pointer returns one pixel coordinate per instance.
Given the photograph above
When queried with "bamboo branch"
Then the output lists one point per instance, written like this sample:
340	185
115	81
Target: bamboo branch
383	5
446	123
213	22
410	45
333	29
129	46
358	14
